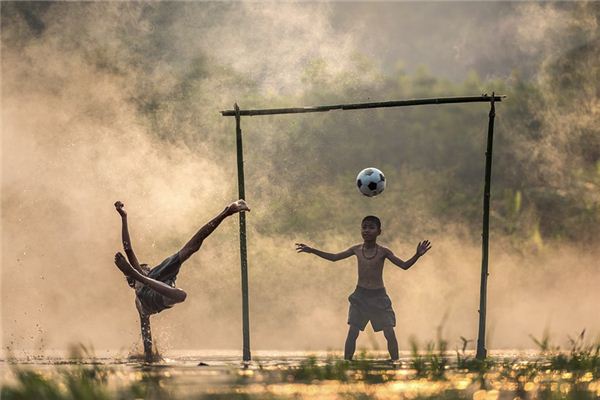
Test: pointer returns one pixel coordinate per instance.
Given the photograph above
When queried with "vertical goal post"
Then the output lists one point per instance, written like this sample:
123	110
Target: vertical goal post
238	113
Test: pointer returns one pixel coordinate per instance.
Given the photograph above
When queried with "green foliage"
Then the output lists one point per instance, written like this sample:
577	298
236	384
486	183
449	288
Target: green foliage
313	370
80	383
430	374
434	160
465	362
581	357
543	343
360	369
84	378
433	362
32	385
545	181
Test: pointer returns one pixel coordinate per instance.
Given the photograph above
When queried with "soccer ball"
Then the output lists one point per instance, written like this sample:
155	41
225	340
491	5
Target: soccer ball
370	182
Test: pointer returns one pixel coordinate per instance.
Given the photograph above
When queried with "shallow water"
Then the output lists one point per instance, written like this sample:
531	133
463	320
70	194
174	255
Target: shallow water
273	374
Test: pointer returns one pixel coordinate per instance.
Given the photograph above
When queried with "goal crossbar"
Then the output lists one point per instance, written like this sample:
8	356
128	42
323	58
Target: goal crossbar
358	106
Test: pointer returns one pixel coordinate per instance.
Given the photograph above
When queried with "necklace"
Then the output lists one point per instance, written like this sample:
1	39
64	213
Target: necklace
365	256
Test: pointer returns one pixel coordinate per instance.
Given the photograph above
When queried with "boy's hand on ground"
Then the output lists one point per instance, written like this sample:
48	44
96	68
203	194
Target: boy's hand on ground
302	248
423	247
119	206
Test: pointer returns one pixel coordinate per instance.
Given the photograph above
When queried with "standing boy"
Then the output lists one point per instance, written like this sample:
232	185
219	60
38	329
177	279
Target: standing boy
370	302
155	289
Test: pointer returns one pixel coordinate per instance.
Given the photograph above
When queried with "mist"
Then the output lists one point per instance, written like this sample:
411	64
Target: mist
120	101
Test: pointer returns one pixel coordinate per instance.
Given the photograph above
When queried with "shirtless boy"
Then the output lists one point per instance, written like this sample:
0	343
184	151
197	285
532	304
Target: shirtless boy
155	288
370	302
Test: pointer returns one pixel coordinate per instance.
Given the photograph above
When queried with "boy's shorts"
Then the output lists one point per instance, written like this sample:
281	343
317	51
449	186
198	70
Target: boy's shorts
371	305
152	301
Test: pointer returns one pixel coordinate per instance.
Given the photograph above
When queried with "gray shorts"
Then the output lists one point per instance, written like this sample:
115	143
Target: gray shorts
152	301
371	305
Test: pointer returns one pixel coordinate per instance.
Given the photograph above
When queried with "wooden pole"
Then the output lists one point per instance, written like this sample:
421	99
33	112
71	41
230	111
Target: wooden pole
481	350
243	250
358	106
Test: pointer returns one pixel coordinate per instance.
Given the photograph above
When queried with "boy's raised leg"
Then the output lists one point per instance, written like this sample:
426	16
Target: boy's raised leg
392	342
350	346
193	245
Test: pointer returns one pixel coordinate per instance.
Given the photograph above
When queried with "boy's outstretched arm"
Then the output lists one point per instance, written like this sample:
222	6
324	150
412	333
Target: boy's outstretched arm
422	248
302	248
120	207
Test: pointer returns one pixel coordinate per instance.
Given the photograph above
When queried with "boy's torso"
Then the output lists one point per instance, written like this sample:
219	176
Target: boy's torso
148	301
370	265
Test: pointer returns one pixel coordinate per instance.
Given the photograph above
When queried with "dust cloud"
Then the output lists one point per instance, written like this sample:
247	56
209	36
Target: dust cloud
120	101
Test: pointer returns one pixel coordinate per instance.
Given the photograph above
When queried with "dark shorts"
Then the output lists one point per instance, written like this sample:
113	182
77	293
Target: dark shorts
166	272
371	305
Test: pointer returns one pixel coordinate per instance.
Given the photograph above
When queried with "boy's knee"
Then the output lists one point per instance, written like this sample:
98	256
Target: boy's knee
353	331
182	296
179	297
389	333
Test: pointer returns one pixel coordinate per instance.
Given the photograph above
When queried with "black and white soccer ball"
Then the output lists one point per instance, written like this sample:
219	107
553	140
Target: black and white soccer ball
370	182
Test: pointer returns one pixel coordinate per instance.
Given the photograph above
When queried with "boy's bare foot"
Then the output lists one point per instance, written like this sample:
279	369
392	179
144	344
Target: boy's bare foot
124	266
237	206
119	206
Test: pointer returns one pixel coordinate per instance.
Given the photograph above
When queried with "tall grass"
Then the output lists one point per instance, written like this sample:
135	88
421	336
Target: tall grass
312	370
79	383
553	374
84	379
433	362
360	369
581	357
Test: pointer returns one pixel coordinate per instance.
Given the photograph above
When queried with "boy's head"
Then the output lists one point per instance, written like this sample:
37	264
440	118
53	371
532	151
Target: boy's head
370	227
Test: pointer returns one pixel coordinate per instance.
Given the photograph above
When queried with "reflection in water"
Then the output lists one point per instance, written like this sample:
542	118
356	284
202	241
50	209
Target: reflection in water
301	376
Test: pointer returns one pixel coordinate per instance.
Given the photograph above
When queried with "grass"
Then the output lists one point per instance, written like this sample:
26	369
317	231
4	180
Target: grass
84	379
430	372
311	370
433	362
582	356
80	383
360	369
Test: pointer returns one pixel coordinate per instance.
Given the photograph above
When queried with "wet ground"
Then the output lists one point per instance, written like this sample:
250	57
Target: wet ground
302	375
